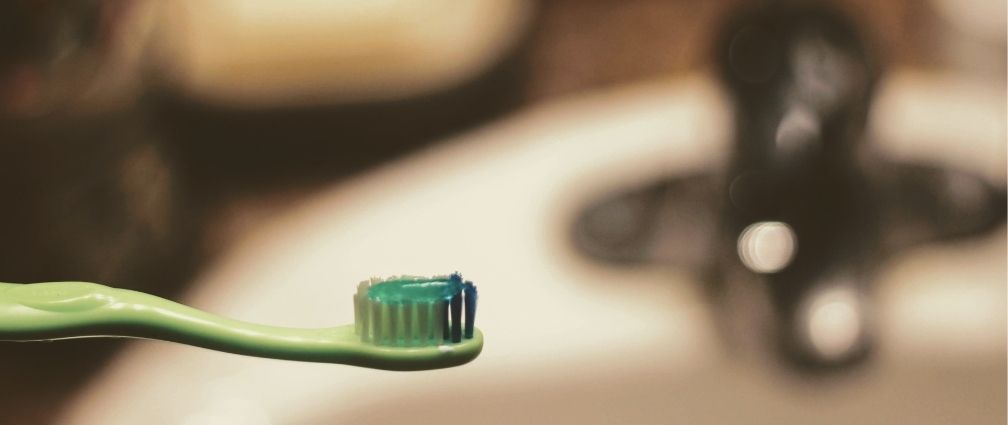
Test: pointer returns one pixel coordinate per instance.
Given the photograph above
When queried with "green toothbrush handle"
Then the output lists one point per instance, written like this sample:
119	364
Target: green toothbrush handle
58	310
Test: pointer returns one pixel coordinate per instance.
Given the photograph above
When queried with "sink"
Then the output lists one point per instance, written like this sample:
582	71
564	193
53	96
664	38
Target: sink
569	340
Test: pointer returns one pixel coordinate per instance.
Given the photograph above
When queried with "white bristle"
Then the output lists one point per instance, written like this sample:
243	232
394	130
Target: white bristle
361	310
409	321
424	322
395	323
376	322
402	324
440	319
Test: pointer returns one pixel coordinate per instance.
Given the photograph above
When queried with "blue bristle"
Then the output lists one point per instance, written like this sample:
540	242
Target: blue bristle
456	318
446	331
453	311
470	308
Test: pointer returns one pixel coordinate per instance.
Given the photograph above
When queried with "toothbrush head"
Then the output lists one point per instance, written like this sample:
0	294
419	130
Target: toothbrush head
413	311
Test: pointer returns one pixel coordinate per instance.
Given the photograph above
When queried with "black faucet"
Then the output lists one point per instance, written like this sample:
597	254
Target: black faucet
803	213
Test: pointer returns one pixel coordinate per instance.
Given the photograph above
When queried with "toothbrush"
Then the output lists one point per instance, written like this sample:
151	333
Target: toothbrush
400	323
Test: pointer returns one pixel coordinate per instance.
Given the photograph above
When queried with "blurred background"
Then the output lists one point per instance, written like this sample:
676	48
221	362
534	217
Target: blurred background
677	212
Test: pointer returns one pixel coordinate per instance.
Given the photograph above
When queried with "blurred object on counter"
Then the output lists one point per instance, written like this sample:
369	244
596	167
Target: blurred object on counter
808	212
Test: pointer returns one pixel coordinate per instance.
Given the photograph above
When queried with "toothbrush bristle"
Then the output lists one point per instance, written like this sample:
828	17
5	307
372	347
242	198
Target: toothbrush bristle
456	318
412	311
469	293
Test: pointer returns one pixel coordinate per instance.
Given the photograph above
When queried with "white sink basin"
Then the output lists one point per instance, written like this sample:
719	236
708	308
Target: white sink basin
567	341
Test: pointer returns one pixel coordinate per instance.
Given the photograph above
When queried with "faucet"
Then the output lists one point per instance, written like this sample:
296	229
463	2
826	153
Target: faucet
803	214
